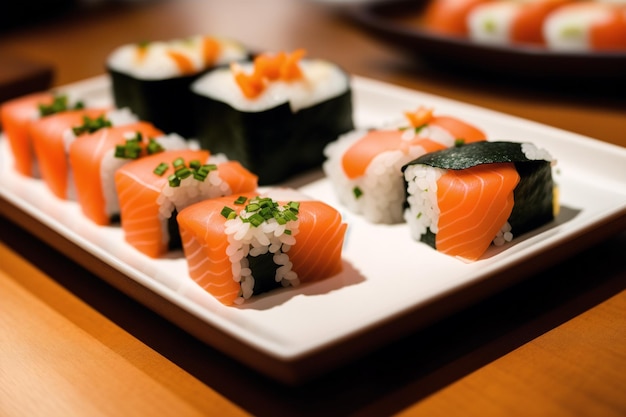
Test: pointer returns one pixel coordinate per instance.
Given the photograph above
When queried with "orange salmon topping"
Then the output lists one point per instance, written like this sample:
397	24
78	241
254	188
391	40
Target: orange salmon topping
267	68
421	116
210	51
184	63
357	158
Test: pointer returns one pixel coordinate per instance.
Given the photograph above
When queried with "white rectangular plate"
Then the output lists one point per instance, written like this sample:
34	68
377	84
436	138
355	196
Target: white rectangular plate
387	275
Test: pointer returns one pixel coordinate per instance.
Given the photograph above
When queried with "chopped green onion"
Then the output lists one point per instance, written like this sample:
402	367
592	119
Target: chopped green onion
91	125
357	192
178	163
161	168
154	147
173	180
59	104
459	142
227	212
241	200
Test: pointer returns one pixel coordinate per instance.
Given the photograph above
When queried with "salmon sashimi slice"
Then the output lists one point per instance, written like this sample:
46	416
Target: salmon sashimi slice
15	118
474	204
233	260
51	136
93	163
148	200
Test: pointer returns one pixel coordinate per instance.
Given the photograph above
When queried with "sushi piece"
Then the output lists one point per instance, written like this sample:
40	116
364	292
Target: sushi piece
152	190
510	22
95	157
461	200
449	17
17	114
274	114
153	78
364	166
587	26
53	135
243	245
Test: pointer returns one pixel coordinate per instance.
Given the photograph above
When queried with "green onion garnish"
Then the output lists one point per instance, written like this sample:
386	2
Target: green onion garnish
161	168
459	142
91	125
59	104
154	147
183	170
262	209
357	192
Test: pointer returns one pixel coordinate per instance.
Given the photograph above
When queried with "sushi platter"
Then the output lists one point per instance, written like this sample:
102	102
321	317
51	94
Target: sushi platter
390	284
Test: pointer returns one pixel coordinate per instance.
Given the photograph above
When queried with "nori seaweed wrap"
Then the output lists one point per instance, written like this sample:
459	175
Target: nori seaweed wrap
462	199
283	129
153	78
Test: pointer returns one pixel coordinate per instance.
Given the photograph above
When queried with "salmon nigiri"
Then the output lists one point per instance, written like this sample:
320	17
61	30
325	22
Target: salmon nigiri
364	166
96	156
462	200
53	135
243	245
153	189
17	114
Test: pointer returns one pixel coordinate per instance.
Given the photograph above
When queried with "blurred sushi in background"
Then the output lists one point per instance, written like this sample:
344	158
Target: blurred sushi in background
153	78
511	22
588	26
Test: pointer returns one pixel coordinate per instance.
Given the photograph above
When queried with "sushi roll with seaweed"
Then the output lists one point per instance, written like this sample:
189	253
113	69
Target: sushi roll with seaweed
274	114
461	200
96	156
53	135
153	78
243	245
152	190
587	26
17	114
364	166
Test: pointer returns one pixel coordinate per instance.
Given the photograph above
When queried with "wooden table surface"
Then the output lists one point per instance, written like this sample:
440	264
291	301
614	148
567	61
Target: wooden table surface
73	345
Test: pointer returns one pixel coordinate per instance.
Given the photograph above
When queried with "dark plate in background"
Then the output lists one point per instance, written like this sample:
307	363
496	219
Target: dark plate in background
397	22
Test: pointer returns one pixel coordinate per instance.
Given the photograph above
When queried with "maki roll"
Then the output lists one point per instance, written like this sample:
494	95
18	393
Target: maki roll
274	114
244	245
153	189
461	200
17	114
587	26
153	78
53	135
507	22
364	166
96	156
